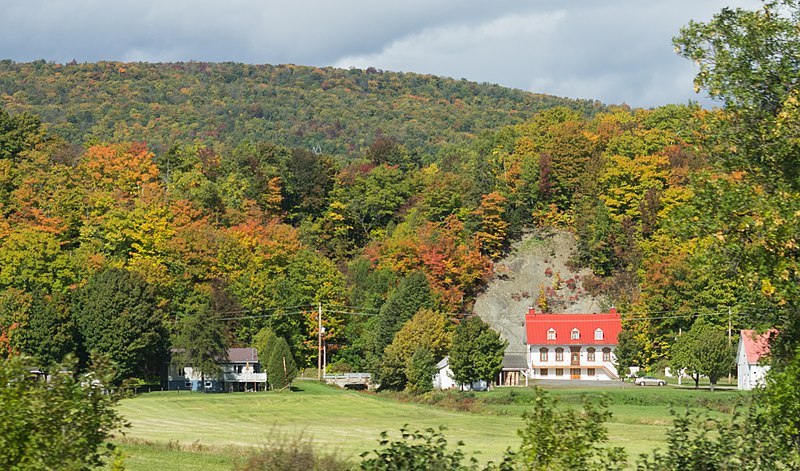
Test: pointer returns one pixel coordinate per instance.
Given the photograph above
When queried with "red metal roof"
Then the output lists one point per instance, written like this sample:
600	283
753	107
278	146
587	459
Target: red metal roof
755	345
537	326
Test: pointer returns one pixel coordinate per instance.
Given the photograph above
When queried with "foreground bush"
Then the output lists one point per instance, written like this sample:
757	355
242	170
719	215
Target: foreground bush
416	451
63	423
296	454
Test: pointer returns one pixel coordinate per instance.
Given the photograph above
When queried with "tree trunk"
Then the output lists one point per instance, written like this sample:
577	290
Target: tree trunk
696	378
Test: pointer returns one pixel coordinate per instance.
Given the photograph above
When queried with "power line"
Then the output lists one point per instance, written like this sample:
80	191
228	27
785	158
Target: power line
264	316
266	309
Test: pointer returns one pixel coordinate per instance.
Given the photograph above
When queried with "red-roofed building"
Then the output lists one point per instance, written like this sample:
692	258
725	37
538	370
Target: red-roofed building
572	346
753	349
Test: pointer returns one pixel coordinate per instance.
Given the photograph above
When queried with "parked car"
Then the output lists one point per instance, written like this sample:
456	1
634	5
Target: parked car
649	380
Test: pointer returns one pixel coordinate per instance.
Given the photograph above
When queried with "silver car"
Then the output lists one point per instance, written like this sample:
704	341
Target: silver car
649	380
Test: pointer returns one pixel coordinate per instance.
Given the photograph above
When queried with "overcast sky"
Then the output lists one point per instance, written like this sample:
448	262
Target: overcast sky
614	51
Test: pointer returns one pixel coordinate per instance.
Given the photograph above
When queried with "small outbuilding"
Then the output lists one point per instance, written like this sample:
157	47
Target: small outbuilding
443	379
750	359
515	370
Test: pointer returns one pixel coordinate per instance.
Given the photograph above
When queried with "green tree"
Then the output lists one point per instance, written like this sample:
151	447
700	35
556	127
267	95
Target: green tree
281	369
412	294
264	342
308	180
703	350
51	333
782	399
628	352
15	308
62	423
202	341
372	199
117	314
420	370
17	133
750	60
477	352
32	259
427	331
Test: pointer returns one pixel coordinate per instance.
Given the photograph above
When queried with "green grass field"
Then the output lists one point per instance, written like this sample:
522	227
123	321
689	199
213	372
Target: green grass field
176	431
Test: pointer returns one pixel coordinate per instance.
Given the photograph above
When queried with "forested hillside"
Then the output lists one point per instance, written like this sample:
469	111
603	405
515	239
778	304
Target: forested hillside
165	196
336	111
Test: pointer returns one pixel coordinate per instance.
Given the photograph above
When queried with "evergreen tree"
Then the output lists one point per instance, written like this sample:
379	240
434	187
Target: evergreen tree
281	369
413	294
264	342
202	342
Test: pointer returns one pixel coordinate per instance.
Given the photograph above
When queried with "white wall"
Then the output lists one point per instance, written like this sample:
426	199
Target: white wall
604	370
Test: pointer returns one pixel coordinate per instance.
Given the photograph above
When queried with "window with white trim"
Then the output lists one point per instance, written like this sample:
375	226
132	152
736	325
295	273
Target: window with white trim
598	334
576	334
551	334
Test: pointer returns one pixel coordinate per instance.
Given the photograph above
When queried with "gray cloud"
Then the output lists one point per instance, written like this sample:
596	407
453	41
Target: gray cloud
615	51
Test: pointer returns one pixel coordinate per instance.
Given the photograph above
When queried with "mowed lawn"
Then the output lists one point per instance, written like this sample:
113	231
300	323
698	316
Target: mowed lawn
176	431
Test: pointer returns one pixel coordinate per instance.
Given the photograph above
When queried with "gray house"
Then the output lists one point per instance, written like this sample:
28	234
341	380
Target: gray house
241	371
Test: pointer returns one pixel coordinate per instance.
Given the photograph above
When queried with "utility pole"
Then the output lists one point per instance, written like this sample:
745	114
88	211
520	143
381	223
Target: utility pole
730	327
319	343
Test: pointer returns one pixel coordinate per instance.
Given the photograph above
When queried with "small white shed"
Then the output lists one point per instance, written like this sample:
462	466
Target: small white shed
443	379
753	348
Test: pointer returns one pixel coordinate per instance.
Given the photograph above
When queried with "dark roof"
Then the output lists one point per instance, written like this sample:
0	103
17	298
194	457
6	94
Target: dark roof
242	355
515	361
235	355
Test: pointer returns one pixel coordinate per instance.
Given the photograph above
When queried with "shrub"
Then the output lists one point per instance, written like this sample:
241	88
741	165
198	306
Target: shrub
557	438
63	423
416	451
296	454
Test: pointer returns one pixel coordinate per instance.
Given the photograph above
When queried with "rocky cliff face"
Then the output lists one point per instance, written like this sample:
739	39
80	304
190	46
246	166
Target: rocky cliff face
534	274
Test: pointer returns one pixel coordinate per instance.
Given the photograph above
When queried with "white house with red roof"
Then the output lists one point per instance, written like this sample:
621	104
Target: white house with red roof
753	349
572	346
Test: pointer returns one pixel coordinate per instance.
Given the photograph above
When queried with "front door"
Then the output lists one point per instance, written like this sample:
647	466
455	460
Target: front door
575	356
574	373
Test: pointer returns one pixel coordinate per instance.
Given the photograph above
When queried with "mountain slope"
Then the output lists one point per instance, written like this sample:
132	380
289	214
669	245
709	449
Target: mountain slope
334	111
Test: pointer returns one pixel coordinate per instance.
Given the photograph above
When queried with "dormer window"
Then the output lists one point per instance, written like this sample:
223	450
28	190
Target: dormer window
598	334
551	334
576	334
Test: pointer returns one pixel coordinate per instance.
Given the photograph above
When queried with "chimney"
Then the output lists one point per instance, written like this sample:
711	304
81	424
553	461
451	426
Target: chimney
613	310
